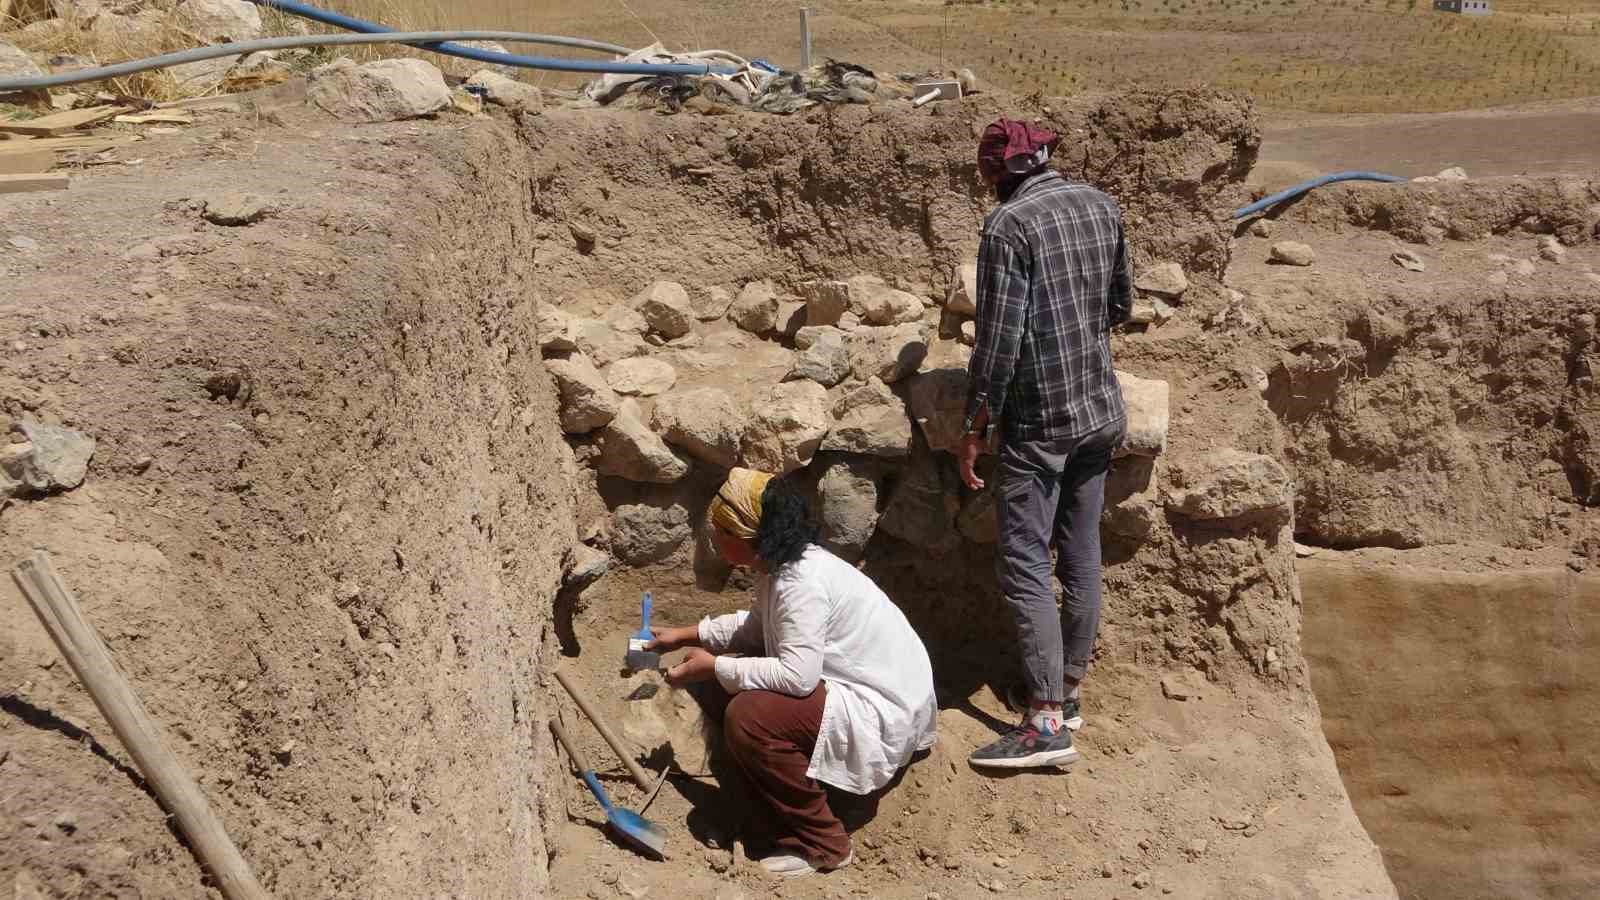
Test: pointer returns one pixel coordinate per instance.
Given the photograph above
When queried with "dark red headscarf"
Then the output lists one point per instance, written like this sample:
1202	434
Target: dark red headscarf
1014	148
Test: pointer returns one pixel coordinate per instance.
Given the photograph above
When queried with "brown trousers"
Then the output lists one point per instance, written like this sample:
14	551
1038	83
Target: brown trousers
770	737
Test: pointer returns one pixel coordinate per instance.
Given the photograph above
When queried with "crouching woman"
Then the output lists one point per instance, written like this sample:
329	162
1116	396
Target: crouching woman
823	679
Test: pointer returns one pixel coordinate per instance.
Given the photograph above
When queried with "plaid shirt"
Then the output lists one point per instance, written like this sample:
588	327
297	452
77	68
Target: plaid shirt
1053	278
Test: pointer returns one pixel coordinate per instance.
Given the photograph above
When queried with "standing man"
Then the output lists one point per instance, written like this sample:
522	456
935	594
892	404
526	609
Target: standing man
1053	279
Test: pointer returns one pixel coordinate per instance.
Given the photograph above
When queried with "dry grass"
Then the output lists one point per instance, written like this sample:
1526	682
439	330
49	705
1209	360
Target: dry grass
1338	56
1334	56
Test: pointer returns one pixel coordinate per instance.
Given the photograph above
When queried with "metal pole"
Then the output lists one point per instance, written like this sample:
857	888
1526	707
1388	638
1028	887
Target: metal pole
805	38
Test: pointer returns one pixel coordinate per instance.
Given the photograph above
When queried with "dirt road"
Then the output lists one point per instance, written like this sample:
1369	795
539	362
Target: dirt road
1547	139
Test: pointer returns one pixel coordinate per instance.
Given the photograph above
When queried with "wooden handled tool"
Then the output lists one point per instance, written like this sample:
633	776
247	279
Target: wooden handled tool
644	781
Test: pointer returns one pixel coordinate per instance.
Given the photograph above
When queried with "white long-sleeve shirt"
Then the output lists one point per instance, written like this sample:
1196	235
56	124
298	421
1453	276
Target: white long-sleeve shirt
819	619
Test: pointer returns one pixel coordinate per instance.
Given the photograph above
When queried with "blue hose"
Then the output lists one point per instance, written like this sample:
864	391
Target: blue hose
362	26
1303	187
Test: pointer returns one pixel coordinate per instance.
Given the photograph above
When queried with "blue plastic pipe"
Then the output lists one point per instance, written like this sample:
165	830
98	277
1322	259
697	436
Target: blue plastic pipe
1303	187
348	23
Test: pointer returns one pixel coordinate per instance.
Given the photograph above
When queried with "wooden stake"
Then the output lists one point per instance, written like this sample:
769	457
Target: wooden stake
91	662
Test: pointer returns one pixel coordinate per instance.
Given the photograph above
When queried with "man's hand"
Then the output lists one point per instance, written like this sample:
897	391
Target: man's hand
972	447
670	639
698	665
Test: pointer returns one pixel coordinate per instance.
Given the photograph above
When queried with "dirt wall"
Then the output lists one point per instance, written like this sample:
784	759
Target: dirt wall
1470	768
333	589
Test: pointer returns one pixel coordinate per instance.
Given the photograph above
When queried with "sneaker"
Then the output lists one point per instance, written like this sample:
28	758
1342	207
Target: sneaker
1027	748
1017	702
789	865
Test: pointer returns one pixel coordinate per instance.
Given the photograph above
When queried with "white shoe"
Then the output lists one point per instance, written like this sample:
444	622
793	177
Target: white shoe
788	865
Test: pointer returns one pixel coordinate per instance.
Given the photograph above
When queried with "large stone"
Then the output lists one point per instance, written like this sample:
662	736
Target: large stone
587	400
604	344
1229	484
825	359
656	717
16	64
1293	253
503	90
939	406
878	304
555	329
847	505
810	334
666	309
756	310
128	34
1162	279
382	91
890	353
791	318
923	507
1149	404
219	21
786	427
826	301
641	535
712	304
870	420
962	298
630	450
640	376
705	422
58	461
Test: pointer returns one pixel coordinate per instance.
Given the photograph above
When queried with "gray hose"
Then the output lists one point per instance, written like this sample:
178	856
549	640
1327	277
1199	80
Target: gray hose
285	43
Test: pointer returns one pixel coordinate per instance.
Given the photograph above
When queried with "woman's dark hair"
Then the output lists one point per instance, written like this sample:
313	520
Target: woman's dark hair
786	529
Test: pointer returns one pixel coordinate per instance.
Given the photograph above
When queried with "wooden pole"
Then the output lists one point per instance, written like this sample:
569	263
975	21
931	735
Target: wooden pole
634	769
91	662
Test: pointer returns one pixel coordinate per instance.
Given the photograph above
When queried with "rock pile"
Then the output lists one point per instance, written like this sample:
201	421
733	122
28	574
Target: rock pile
845	383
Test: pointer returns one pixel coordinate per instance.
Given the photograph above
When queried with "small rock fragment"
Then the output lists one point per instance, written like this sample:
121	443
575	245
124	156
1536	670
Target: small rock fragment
1261	228
235	209
1550	249
1164	279
506	91
1141	880
1408	260
1197	847
1293	253
1454	173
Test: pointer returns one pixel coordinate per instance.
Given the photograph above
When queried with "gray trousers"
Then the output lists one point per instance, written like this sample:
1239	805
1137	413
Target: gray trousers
1053	491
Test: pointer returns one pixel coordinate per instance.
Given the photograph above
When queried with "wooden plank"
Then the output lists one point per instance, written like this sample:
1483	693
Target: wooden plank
22	184
91	661
93	141
156	118
56	123
30	162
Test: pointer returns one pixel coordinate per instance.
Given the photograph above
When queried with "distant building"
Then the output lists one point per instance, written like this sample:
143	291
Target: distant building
1464	7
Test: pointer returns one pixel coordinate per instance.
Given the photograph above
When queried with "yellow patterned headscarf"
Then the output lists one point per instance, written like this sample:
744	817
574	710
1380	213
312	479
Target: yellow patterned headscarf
737	507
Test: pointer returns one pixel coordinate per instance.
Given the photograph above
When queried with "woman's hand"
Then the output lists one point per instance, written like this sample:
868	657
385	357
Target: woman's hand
669	639
698	665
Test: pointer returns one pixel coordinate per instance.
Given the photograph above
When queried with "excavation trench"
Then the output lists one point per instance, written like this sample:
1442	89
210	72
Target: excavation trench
339	573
